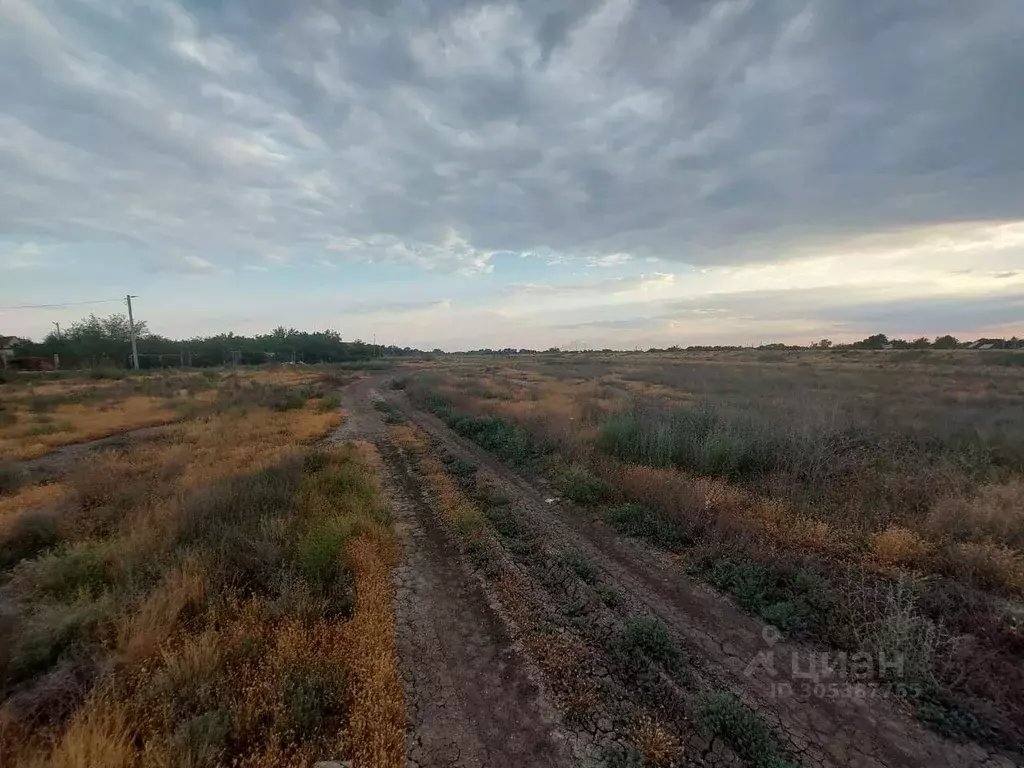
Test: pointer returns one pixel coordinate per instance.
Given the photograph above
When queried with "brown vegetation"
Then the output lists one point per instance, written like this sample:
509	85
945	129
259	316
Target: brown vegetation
215	593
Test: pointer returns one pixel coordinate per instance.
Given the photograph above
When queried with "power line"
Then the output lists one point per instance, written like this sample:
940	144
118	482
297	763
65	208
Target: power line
65	304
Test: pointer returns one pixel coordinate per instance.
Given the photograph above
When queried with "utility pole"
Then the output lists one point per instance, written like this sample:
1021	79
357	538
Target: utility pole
58	331
131	330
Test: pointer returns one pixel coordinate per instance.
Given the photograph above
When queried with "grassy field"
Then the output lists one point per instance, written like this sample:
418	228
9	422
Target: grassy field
214	592
874	501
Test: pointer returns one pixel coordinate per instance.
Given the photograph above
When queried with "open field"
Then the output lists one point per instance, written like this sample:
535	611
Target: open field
764	559
840	497
208	594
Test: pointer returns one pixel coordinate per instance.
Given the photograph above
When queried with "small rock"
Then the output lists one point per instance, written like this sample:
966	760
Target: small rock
333	764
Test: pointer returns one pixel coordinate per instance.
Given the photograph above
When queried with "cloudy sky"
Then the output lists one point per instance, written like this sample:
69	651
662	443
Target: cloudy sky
458	173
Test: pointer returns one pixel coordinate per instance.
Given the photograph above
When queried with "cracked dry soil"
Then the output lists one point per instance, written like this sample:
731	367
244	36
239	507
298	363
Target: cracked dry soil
476	697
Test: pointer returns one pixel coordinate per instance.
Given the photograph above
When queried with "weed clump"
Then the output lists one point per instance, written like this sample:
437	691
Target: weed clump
579	564
793	601
644	523
649	636
578	485
724	715
503	438
11	478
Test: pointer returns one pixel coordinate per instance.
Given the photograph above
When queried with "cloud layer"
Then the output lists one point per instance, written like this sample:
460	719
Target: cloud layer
212	135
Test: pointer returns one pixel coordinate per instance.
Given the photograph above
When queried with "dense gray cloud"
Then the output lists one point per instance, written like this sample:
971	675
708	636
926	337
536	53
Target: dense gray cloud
436	132
831	310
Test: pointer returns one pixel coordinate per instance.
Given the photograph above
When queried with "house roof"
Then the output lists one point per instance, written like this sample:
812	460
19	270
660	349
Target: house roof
8	341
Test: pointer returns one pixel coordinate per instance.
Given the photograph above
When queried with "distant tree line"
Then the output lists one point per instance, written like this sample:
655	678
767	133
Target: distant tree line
106	342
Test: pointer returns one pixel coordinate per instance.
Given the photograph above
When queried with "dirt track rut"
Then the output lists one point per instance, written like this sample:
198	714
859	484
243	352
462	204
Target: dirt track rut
471	697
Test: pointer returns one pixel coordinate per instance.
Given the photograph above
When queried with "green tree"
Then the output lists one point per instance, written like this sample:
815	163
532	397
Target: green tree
878	341
946	342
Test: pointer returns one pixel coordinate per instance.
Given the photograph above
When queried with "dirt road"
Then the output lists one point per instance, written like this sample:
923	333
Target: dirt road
475	697
472	697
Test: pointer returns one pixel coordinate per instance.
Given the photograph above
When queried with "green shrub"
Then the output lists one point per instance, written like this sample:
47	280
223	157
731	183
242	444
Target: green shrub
577	484
579	564
199	740
502	438
52	631
85	568
330	402
645	523
320	552
106	373
312	693
648	635
1005	358
724	715
287	399
608	595
463	470
391	414
793	601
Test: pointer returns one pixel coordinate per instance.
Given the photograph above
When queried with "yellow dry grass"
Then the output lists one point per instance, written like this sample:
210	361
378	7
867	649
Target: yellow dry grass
899	546
661	748
98	735
142	632
266	666
248	442
81	422
376	727
32	497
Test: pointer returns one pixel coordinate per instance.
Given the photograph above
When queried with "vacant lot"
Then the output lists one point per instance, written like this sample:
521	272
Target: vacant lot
189	597
763	559
874	501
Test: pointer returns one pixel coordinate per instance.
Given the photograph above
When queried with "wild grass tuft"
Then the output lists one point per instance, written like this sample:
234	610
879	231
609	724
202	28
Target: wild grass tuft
649	636
644	523
725	716
700	439
580	564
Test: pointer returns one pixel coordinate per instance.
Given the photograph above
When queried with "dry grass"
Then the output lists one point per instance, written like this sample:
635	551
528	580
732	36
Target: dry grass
34	497
376	727
457	510
798	483
660	747
78	423
140	634
216	594
900	546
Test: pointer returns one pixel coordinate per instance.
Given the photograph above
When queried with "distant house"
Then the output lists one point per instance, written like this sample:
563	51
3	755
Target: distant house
7	345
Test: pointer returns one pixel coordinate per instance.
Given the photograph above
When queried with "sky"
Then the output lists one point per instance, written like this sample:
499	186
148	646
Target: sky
464	174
